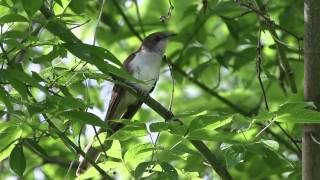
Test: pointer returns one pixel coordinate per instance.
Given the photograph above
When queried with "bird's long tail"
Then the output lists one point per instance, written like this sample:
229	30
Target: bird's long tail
91	153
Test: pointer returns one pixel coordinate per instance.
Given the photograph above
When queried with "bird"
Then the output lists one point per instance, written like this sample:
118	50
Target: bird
144	65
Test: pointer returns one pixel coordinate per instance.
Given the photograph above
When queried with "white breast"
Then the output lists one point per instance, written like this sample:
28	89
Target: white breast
146	67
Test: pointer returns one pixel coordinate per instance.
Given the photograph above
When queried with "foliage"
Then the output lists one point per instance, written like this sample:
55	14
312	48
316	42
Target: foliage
244	99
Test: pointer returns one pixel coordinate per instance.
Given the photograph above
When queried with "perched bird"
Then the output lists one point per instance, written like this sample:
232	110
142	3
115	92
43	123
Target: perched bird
144	65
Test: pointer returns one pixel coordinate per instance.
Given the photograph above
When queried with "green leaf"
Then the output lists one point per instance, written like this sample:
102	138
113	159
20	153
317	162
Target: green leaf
58	28
233	154
10	18
115	150
4	153
136	154
17	160
130	131
169	170
211	122
274	145
8	135
46	58
159	126
4	97
35	146
32	6
297	113
20	75
59	2
210	135
140	169
92	52
78	6
85	117
71	102
96	56
20	87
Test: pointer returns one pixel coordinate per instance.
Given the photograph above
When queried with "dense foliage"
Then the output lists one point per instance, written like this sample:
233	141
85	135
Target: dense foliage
238	87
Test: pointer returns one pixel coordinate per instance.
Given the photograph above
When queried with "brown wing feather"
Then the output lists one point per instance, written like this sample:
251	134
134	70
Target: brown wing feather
118	92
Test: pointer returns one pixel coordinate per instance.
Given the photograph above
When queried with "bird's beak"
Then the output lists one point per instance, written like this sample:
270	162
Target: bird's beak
170	35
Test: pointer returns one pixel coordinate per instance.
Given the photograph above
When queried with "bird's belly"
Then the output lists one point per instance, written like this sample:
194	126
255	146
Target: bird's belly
146	68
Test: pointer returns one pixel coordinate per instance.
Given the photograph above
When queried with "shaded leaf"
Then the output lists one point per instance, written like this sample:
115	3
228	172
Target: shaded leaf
32	6
85	117
10	18
17	160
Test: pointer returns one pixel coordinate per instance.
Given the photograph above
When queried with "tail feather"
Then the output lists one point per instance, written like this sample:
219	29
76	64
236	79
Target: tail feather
91	153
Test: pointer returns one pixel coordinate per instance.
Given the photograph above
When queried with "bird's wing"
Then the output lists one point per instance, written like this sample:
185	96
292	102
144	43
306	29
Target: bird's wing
118	92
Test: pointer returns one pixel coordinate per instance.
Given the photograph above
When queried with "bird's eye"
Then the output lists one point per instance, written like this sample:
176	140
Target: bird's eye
157	38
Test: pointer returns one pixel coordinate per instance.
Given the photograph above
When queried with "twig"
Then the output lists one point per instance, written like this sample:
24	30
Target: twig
99	17
267	19
258	67
205	4
164	18
139	18
79	25
235	17
172	82
126	20
219	78
259	61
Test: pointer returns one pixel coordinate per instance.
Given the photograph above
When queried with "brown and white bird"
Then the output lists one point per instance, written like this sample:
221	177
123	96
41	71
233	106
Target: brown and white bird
144	64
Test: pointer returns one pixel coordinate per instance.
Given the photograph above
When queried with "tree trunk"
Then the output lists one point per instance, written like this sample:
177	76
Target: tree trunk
311	132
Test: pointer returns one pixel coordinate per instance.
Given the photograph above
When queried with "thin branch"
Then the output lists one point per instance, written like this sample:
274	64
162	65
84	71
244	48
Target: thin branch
139	18
258	67
267	19
126	20
164	18
219	78
99	17
172	82
51	159
259	61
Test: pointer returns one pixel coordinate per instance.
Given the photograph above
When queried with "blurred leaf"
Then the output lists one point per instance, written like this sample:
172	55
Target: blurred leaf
169	170
10	18
159	126
84	117
17	160
78	6
297	113
130	131
271	144
32	6
59	2
140	169
209	122
4	97
46	58
36	146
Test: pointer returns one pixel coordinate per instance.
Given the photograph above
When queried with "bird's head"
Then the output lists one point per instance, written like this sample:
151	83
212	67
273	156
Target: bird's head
156	42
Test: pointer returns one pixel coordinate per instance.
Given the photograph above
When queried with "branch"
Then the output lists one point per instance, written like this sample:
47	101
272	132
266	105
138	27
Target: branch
51	159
